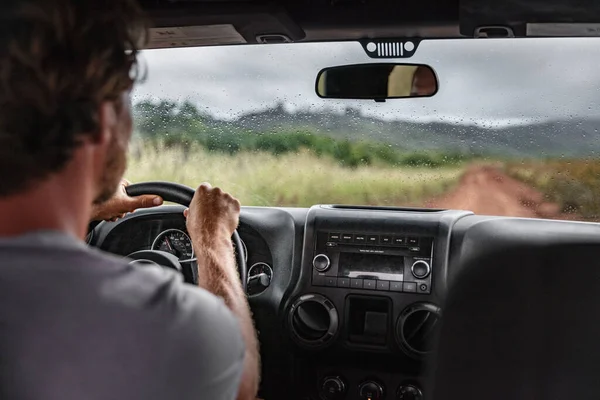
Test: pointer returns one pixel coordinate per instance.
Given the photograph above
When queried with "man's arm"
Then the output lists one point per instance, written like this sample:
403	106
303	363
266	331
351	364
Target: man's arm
211	219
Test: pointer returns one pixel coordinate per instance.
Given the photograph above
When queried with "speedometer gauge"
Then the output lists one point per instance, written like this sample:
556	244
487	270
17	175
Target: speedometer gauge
175	242
259	278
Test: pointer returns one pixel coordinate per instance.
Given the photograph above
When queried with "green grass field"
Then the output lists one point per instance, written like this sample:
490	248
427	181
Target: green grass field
293	179
573	184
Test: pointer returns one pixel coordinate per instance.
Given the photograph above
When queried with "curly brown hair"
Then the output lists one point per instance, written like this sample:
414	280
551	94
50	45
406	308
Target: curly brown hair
59	60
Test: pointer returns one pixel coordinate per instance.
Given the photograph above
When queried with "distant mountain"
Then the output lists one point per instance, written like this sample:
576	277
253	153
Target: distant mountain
574	138
571	138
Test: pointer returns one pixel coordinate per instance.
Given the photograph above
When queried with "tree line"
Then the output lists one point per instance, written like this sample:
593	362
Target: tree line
182	123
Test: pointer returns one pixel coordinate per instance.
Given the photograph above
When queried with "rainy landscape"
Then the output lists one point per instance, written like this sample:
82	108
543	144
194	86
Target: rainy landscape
280	158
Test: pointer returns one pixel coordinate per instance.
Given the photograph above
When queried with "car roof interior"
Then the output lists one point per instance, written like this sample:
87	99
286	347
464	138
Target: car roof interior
327	20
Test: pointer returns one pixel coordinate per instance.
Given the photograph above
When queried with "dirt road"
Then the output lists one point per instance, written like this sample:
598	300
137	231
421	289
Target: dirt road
487	190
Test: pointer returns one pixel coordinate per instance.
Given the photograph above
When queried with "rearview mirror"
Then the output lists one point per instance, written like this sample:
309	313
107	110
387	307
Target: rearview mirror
377	81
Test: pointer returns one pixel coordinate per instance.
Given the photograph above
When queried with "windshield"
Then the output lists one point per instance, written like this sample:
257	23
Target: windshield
513	129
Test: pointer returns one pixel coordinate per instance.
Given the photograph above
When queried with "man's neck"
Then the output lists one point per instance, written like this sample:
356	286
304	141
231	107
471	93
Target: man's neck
58	204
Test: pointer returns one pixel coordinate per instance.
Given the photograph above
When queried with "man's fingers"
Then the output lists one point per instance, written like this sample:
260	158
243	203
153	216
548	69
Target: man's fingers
186	212
236	204
205	186
145	201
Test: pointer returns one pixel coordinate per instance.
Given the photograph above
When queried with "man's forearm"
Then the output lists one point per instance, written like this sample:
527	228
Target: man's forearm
217	273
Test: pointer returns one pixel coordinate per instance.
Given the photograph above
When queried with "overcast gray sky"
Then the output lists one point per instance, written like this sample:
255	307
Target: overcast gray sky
485	81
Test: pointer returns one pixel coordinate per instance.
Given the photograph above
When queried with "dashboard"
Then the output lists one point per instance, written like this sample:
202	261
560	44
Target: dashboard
347	301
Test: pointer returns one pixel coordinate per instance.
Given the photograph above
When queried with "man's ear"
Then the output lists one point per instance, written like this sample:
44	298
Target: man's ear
107	122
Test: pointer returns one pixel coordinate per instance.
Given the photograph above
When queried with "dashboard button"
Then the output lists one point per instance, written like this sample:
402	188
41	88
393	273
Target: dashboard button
410	287
399	241
373	239
347	237
330	281
413	241
423	288
334	237
396	286
356	283
343	282
370	284
385	239
360	238
318	280
383	285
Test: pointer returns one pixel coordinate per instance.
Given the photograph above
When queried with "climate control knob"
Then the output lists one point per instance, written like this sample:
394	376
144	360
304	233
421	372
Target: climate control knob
333	388
409	392
420	269
370	390
321	263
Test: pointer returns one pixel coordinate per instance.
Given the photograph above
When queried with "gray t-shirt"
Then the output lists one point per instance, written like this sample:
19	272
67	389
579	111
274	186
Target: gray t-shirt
76	323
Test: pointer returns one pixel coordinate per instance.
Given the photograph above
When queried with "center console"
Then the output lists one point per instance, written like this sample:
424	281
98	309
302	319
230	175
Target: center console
364	313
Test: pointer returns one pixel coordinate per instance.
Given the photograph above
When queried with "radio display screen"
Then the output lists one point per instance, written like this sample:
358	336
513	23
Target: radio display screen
371	266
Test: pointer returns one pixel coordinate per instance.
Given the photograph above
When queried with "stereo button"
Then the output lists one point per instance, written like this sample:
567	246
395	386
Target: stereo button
373	239
331	281
383	285
410	287
343	282
399	240
360	239
385	240
356	283
370	284
396	286
413	241
346	237
334	237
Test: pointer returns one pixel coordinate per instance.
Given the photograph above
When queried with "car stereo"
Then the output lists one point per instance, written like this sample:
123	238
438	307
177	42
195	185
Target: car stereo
381	262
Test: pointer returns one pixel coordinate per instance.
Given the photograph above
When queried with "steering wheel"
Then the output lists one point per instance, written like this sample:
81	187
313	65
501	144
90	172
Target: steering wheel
183	195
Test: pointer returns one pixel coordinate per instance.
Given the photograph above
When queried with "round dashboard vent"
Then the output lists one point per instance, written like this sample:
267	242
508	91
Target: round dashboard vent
417	327
313	320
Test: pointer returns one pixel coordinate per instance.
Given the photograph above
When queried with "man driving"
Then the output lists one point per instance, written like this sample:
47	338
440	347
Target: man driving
77	323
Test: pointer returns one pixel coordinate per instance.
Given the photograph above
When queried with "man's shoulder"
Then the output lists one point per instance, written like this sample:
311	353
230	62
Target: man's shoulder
56	264
130	320
200	334
148	286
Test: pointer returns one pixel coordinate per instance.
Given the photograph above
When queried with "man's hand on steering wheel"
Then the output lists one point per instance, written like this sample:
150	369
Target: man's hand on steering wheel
212	218
121	203
213	215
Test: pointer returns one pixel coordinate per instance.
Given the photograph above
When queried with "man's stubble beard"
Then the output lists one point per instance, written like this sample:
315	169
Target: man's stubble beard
116	162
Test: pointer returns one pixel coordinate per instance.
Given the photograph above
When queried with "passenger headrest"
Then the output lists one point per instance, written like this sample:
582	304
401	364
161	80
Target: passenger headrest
522	323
